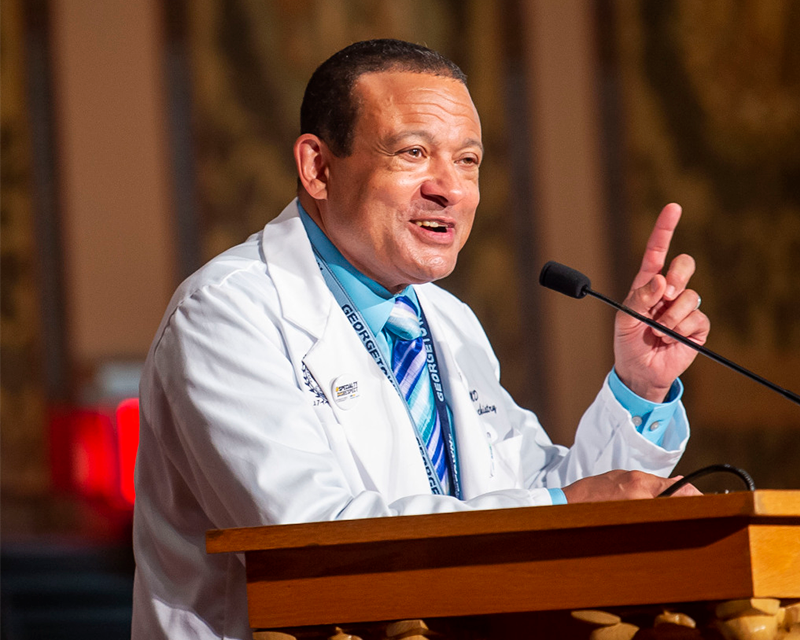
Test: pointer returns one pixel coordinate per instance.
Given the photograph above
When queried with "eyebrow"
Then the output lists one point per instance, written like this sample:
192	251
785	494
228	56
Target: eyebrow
398	138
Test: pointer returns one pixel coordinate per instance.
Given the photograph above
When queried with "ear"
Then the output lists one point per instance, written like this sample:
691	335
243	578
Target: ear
311	157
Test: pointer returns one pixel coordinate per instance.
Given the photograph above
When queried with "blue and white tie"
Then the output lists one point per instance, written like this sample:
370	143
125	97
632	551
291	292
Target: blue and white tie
409	364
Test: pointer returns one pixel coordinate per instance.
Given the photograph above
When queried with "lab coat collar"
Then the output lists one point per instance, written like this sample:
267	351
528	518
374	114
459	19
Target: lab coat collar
305	298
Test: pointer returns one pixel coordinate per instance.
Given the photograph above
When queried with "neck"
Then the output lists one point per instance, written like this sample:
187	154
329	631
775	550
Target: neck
311	207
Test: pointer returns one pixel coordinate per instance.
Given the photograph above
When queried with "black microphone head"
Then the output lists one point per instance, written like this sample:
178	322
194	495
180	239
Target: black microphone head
564	279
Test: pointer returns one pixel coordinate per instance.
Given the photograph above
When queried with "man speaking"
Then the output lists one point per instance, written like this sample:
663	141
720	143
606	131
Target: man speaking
315	373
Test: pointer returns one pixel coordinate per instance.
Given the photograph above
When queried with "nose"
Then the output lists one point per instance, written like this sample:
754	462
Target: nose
444	185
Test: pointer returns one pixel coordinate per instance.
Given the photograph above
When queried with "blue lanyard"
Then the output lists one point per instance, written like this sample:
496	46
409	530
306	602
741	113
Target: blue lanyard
367	338
441	406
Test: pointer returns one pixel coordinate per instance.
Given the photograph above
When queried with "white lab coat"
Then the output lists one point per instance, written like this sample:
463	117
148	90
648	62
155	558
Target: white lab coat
239	427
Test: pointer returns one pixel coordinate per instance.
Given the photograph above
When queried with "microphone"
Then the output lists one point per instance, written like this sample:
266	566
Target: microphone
574	284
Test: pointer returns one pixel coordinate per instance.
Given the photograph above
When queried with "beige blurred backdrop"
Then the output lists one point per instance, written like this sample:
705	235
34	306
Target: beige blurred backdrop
142	137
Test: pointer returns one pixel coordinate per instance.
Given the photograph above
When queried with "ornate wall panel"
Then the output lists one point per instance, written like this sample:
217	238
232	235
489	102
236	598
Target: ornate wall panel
249	63
22	395
711	119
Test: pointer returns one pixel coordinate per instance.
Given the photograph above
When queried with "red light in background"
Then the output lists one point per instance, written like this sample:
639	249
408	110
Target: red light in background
93	455
93	451
128	445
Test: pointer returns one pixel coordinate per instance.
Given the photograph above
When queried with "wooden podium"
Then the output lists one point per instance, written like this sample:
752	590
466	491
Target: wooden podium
511	561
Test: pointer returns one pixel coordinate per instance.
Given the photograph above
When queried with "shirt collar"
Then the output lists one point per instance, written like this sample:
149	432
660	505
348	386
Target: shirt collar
373	301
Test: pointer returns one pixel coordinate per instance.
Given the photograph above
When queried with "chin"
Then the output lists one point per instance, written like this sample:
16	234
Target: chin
434	273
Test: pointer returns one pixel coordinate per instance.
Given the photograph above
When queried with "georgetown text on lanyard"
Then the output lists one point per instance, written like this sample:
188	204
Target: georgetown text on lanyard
368	340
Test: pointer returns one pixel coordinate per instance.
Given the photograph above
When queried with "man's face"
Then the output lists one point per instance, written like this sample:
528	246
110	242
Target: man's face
401	205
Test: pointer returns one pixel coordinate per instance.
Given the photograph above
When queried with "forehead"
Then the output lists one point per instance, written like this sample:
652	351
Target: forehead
392	99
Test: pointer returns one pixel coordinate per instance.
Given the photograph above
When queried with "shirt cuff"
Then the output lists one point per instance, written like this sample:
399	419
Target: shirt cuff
557	496
651	419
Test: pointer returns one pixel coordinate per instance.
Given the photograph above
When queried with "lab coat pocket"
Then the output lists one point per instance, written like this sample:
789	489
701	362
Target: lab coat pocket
507	463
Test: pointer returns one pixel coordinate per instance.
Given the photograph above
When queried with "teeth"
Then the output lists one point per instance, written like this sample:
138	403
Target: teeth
429	223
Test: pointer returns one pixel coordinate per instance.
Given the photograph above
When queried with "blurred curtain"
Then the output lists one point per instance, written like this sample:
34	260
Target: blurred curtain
22	395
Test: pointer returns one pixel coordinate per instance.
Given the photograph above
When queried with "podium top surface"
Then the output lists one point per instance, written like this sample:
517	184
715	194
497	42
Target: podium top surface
766	506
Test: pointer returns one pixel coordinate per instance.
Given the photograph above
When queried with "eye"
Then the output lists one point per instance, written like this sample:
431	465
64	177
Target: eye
473	161
413	152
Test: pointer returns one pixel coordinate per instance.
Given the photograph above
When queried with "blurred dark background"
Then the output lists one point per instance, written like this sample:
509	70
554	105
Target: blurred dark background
142	137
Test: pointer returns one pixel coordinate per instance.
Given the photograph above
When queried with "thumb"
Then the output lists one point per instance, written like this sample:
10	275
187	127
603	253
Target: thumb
643	299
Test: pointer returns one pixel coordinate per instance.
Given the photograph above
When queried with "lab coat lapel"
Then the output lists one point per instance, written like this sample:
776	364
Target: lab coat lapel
305	298
375	420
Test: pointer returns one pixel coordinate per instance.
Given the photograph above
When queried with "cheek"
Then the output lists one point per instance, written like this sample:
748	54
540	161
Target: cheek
396	185
466	226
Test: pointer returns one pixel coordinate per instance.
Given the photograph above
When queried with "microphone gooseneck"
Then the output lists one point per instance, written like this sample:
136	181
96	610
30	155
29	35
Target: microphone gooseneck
573	283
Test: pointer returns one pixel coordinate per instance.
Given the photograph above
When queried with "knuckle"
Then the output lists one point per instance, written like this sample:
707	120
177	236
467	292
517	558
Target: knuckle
689	297
637	477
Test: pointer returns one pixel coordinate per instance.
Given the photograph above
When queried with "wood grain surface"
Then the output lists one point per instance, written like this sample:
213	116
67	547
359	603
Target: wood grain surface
714	547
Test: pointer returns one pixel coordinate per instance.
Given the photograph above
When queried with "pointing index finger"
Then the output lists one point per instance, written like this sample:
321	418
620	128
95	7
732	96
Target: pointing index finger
655	254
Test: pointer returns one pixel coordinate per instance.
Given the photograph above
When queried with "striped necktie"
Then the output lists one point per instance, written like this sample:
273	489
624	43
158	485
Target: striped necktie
409	364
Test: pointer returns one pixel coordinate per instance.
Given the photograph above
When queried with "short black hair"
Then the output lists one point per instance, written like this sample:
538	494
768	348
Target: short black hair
329	108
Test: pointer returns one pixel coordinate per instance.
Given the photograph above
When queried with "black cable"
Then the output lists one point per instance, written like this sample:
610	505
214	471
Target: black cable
714	468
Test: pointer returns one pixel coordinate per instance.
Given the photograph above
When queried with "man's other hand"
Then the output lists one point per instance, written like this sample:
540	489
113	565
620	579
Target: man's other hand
646	360
623	485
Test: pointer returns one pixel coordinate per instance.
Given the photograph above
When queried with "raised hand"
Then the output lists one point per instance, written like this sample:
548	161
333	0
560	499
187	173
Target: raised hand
648	361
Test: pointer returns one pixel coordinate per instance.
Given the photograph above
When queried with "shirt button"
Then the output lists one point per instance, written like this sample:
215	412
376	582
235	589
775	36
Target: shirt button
637	421
654	426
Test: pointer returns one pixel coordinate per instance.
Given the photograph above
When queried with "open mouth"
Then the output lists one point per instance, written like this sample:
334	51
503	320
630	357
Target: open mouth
432	225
